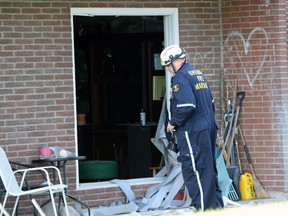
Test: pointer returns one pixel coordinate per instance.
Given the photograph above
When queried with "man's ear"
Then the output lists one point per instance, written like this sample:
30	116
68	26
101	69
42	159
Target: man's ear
179	61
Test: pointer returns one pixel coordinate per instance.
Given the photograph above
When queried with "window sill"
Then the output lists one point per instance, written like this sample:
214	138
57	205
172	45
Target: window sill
108	184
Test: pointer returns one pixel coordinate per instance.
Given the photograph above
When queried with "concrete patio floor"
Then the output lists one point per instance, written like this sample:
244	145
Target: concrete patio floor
276	204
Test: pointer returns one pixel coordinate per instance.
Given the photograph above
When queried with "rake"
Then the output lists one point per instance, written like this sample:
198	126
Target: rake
225	183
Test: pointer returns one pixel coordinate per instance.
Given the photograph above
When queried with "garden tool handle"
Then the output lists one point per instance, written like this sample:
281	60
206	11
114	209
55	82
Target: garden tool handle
247	154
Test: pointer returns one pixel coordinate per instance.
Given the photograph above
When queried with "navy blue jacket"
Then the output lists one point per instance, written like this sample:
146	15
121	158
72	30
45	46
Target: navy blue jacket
192	104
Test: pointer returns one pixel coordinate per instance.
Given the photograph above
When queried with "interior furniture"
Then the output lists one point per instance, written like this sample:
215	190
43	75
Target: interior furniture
140	150
114	82
96	170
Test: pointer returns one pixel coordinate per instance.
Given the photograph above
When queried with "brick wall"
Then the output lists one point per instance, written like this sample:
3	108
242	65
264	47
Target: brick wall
36	88
284	98
255	54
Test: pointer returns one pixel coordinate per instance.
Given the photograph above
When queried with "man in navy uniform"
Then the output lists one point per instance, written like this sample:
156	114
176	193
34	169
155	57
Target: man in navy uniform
195	128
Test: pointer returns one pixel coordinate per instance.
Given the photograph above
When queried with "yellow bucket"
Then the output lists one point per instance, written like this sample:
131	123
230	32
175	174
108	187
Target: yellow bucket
246	185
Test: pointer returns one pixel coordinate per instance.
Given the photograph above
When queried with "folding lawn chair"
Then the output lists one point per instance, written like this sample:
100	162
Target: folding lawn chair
13	188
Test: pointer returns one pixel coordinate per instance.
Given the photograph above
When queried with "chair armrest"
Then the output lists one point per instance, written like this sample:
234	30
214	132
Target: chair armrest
45	170
16	166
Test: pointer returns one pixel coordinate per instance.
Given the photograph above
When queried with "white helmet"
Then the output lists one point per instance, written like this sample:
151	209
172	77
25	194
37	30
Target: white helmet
170	53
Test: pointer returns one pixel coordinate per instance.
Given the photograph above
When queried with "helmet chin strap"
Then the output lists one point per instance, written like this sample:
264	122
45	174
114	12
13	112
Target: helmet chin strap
173	68
172	60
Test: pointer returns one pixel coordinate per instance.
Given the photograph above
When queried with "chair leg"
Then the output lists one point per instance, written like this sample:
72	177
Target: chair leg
3	211
4	203
36	205
81	203
65	202
53	203
15	206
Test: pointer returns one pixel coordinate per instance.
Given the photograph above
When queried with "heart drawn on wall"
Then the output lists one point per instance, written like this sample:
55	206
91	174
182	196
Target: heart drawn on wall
204	61
246	56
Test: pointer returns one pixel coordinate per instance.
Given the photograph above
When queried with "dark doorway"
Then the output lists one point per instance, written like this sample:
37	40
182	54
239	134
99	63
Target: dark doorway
116	59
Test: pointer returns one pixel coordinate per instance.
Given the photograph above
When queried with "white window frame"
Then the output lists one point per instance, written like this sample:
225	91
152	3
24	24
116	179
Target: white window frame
171	36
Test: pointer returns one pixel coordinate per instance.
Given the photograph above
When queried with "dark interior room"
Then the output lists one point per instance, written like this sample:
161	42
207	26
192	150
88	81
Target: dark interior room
117	75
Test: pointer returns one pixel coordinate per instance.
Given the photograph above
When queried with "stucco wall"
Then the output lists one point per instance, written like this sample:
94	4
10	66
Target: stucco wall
36	87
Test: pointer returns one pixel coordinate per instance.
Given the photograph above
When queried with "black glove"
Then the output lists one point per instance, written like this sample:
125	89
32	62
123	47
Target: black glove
171	142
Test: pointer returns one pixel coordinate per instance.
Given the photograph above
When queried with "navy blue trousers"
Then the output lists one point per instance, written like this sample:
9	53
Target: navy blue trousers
202	185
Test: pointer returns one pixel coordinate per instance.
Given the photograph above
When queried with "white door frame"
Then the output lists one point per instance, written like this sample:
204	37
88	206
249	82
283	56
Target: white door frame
171	36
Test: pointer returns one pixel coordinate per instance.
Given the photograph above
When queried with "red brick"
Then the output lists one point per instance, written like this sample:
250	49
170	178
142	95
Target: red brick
36	32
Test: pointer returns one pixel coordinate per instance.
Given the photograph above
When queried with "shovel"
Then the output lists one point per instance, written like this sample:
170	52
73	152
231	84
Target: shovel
240	97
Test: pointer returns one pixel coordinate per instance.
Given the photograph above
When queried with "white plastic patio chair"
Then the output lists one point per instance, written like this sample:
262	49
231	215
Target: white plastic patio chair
13	188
